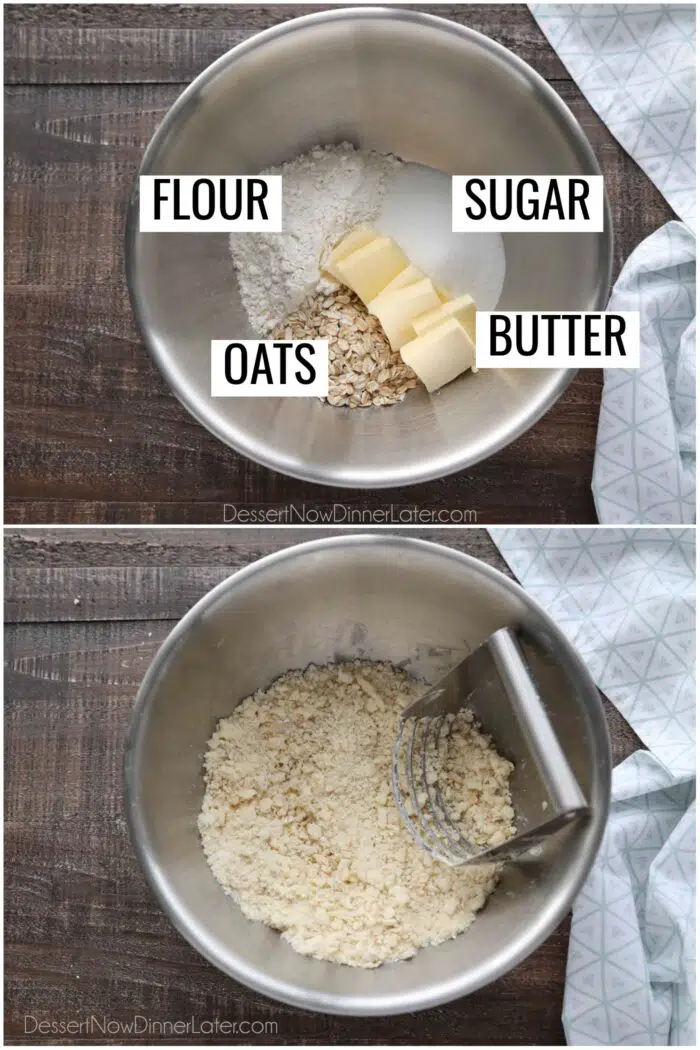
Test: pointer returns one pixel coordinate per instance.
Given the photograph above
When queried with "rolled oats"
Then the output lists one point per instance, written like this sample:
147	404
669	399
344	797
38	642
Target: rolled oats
362	350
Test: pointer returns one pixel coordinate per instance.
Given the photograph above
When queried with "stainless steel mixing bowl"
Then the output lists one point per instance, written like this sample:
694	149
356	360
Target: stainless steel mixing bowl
394	81
379	597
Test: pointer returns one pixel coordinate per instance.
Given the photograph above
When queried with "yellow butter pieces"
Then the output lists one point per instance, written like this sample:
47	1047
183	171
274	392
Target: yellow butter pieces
397	309
440	355
434	333
462	309
409	275
358	238
368	270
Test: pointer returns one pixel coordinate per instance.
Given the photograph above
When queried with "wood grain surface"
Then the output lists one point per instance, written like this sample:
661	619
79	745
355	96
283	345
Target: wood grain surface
93	433
84	936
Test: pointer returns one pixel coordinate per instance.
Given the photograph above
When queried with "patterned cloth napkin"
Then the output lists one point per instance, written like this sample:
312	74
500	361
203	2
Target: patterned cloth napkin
636	66
626	600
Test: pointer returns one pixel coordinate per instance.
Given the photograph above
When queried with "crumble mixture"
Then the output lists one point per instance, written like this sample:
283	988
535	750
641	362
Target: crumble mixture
299	823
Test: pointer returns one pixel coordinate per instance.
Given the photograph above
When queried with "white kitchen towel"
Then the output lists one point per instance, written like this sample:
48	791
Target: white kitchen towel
635	64
626	599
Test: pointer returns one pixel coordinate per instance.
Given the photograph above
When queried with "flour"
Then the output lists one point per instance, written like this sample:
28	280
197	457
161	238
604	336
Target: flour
325	193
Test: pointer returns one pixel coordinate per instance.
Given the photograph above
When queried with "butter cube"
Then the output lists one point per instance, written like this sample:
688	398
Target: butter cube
359	237
397	309
368	270
440	355
409	275
462	309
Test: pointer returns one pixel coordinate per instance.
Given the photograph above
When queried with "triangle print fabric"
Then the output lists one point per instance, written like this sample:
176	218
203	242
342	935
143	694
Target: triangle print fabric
636	66
630	975
644	466
635	63
626	600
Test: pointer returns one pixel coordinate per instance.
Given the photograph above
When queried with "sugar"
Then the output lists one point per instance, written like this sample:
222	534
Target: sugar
417	212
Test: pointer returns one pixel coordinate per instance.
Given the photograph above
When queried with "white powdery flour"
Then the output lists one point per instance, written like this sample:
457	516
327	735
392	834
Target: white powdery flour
325	193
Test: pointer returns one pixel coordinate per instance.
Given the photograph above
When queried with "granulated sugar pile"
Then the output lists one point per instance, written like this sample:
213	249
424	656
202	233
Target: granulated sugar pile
299	823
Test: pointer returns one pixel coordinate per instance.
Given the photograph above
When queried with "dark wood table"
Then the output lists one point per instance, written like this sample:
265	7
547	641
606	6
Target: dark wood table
86	611
93	433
